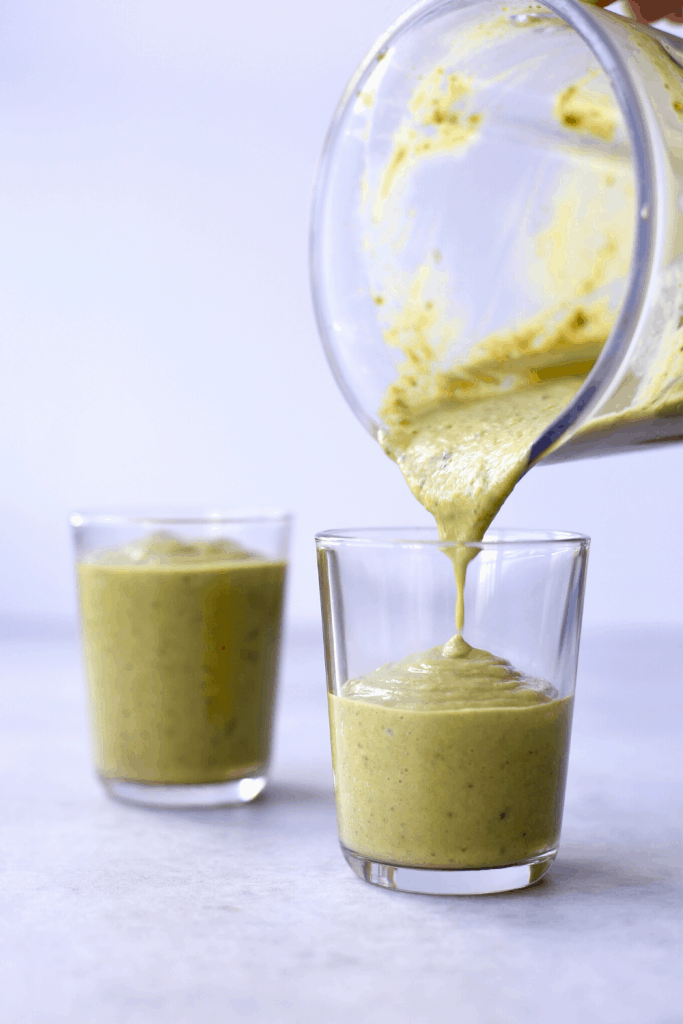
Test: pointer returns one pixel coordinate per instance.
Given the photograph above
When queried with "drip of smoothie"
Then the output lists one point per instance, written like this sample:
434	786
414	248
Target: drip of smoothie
462	459
452	758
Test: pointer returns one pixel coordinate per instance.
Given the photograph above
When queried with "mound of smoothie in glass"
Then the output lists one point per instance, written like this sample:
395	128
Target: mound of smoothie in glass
449	759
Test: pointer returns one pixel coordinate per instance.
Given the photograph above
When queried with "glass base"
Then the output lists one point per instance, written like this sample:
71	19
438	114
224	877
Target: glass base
200	794
450	882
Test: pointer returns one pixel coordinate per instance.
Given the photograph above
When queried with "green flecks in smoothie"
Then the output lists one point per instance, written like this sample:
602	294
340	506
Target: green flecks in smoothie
181	645
463	765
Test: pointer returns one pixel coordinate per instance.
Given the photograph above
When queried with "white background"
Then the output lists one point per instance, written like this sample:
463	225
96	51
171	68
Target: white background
158	344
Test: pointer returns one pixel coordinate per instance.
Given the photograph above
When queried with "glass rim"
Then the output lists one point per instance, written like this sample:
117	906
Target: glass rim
177	517
427	537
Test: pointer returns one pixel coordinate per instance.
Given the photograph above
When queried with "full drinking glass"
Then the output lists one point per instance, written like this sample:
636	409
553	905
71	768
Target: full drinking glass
181	617
452	786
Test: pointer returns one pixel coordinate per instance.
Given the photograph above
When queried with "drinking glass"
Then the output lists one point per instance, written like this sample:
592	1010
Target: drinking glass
181	616
459	790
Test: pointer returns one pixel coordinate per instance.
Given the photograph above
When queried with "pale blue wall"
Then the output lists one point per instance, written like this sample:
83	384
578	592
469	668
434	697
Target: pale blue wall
157	339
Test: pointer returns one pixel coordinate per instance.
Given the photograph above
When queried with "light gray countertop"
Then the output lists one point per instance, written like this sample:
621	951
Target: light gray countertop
112	914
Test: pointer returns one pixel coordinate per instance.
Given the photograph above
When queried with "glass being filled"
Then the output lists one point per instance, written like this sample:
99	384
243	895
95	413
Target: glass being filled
450	763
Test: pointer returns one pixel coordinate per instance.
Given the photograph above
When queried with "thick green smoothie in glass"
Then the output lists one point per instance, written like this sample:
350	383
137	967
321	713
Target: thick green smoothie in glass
449	759
181	645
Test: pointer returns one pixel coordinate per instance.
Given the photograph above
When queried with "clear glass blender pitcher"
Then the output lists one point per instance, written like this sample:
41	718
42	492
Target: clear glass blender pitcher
501	169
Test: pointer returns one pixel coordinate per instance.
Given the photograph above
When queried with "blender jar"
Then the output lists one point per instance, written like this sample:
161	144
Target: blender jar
497	175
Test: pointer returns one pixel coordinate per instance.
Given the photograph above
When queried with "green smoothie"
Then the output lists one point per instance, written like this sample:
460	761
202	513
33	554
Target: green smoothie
181	645
449	759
